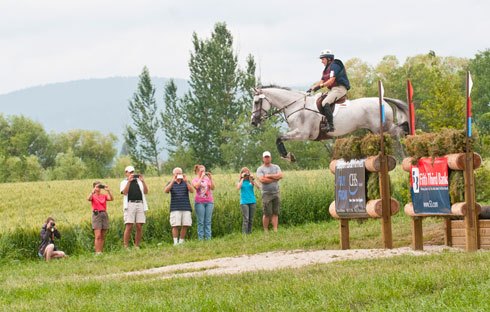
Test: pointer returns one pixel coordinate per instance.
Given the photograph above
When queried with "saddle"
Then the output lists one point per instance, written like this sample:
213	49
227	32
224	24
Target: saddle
319	101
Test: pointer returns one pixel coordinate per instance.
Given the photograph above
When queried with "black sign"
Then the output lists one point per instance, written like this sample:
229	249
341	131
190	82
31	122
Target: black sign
350	189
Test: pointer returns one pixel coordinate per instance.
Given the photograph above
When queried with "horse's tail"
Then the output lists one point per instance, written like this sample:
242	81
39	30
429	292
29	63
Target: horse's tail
402	114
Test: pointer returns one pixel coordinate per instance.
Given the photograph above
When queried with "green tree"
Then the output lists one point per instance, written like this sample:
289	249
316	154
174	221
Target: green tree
446	106
217	96
361	78
480	73
172	118
142	137
68	167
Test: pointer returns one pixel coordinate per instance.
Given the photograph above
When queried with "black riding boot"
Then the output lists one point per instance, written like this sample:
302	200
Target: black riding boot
327	112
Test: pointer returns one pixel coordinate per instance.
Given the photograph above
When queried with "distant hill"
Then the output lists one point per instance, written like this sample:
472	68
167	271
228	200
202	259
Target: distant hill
92	104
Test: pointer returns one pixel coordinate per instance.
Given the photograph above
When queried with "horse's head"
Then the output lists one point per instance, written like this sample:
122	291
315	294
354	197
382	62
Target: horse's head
260	107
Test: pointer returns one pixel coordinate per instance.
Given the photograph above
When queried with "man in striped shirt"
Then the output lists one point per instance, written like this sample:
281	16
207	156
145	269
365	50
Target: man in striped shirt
180	206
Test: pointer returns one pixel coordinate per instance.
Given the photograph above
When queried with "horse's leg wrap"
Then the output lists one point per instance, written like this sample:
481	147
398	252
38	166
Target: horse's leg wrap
281	148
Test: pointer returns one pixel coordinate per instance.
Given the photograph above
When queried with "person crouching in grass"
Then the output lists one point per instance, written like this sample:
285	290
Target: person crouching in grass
100	219
47	249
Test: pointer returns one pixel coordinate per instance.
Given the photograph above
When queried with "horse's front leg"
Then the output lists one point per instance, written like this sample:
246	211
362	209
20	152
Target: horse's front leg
294	135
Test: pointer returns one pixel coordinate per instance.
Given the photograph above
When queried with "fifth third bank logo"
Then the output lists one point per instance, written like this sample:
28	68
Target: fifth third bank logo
415	180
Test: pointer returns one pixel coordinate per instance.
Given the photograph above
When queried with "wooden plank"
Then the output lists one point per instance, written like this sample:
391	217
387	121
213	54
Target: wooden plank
448	241
459	246
485	240
484	223
459	241
484	232
484	246
457	224
417	234
344	234
458	232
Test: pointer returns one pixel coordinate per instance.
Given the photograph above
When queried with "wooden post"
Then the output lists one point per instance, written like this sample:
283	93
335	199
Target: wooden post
471	218
344	234
448	239
417	234
384	182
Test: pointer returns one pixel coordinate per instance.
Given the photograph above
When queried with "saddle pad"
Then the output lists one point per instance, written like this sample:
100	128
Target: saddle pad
340	106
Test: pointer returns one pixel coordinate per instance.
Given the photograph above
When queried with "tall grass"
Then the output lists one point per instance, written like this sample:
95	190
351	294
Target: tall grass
306	196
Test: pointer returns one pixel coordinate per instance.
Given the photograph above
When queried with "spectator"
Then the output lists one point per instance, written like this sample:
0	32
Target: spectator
47	248
100	219
247	198
269	175
134	189
180	206
203	201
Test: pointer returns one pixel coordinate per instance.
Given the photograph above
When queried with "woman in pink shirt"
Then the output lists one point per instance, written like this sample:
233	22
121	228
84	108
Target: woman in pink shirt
100	219
203	202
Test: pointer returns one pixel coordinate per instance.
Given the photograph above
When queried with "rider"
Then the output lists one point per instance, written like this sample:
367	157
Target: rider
335	79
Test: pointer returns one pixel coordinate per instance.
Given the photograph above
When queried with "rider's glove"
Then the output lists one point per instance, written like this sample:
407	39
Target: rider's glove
308	91
316	88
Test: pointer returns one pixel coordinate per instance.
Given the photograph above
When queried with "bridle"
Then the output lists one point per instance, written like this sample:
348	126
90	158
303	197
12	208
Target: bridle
268	115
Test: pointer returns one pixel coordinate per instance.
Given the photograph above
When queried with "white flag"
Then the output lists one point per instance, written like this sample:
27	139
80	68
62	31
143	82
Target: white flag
470	84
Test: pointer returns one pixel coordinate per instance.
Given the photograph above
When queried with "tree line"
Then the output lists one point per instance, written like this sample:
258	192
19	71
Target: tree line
210	124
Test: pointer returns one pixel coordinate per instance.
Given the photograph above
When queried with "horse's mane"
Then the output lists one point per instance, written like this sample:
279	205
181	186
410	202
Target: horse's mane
275	86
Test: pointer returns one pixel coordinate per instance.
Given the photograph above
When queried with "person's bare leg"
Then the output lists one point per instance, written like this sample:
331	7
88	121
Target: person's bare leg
265	222
127	234
175	231
183	232
102	239
48	252
58	254
97	240
139	234
274	220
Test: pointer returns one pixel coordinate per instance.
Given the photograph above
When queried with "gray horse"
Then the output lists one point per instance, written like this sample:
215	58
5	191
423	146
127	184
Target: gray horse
303	118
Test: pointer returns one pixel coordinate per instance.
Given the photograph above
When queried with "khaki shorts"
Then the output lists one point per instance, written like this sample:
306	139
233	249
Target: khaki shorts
180	218
100	221
271	204
334	94
134	213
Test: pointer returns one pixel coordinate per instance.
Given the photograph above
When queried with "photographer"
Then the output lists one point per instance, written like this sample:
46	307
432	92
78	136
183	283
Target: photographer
247	198
180	206
100	219
203	204
134	189
47	248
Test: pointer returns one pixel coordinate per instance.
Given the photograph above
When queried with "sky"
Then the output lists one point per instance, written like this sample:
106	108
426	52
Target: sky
51	41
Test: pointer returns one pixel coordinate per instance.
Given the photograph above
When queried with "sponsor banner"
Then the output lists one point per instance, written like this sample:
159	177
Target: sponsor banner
430	187
350	188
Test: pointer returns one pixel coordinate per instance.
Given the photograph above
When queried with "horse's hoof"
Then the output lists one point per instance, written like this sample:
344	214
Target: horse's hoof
291	157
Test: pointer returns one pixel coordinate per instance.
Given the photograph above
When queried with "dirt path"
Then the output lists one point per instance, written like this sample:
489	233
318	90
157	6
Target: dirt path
277	260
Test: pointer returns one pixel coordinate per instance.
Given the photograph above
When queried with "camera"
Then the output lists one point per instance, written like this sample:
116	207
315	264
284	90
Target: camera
246	175
207	173
101	186
52	224
180	176
96	212
136	176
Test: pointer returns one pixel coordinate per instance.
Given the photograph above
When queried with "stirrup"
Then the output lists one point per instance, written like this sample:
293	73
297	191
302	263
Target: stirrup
328	128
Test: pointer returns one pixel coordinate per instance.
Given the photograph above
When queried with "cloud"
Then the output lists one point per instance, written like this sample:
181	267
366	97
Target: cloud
56	41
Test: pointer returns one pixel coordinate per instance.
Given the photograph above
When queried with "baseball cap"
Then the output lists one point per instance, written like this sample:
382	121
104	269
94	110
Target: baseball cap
266	153
129	169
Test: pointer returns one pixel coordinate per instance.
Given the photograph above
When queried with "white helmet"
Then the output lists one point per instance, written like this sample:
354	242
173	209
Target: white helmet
326	53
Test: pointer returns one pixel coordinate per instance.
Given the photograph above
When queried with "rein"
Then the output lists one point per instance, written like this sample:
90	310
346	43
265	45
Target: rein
282	110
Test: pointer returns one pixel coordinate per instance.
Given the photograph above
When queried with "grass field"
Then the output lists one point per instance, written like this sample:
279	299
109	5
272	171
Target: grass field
454	281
